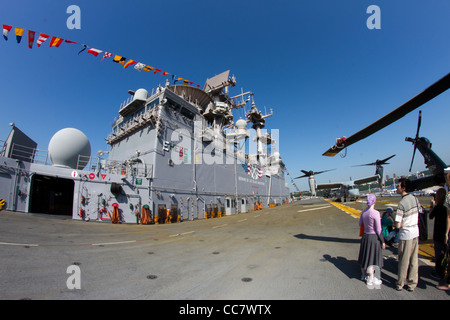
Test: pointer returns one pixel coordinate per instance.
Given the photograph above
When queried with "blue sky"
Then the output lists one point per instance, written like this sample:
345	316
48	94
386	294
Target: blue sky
324	73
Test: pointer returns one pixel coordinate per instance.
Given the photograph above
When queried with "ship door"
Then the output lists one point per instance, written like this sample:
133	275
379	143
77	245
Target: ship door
162	213
51	195
193	209
244	205
173	213
208	212
230	206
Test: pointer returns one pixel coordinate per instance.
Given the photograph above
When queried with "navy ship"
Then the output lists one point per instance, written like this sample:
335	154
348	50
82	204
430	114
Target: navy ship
175	154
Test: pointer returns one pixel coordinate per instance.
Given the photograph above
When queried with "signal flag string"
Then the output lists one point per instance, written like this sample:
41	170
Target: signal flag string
56	42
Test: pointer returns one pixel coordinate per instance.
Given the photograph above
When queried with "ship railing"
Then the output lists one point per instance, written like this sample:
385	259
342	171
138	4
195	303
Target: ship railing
87	163
24	153
135	168
125	103
3	151
138	120
41	157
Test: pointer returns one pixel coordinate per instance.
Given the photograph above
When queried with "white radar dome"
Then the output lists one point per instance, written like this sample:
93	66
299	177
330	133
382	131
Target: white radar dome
241	124
140	94
66	146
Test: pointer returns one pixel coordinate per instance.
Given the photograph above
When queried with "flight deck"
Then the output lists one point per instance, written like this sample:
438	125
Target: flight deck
304	250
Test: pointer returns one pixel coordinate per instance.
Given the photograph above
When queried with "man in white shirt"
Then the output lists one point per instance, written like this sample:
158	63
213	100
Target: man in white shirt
406	219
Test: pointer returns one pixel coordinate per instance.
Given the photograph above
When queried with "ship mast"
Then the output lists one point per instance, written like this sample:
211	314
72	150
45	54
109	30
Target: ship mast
218	113
259	121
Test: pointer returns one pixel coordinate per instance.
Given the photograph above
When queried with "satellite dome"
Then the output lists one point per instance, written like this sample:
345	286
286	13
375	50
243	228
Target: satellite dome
241	126
140	94
66	145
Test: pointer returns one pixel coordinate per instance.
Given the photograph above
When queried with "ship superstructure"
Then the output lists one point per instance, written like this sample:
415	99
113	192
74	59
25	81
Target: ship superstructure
175	154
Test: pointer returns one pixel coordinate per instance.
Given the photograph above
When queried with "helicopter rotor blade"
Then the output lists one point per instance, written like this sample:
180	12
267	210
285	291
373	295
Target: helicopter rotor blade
412	160
311	173
378	162
431	92
419	124
416	139
323	171
388	158
367	164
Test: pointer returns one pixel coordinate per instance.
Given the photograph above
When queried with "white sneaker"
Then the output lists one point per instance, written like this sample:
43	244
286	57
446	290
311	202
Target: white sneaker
377	281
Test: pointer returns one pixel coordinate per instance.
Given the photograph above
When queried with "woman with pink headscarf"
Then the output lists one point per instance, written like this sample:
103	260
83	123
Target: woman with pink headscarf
372	242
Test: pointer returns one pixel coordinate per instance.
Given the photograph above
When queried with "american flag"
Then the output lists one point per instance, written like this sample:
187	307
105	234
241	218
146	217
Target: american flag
253	170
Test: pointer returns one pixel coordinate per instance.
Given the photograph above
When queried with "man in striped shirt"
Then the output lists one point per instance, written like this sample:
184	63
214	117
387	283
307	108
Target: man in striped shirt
406	219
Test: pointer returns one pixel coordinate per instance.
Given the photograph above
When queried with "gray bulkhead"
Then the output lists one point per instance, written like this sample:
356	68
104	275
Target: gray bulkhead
161	162
187	174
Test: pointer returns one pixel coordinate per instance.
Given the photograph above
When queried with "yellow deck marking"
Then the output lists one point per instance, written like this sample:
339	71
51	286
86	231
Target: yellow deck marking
353	212
426	249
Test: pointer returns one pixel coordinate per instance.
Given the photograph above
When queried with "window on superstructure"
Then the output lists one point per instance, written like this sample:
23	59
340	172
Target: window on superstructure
183	111
132	116
174	105
152	104
187	113
138	113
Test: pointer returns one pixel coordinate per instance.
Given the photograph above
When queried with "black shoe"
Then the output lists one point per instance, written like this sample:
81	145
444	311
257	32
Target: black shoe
436	275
